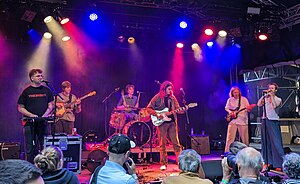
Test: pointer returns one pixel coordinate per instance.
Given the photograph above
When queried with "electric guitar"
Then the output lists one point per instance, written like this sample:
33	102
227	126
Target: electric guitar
62	106
159	117
234	113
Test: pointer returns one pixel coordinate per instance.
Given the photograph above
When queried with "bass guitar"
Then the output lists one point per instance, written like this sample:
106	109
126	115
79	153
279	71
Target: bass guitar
234	113
159	117
62	106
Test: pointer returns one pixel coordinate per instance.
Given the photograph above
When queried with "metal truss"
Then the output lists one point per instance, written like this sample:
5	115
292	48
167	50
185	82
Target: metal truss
286	70
265	2
292	17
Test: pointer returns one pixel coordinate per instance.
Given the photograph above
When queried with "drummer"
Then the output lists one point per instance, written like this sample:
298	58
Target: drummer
128	103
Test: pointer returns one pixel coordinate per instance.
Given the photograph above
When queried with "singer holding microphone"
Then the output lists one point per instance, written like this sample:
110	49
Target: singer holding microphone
36	100
272	149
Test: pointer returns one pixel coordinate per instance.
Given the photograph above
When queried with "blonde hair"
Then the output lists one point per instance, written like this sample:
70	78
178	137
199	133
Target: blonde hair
50	159
232	89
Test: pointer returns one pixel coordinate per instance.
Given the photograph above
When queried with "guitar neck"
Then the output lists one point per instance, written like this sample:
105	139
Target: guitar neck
72	103
176	110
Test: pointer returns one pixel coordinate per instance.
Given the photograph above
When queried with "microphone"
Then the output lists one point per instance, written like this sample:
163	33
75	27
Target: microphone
157	82
139	92
45	81
117	89
182	91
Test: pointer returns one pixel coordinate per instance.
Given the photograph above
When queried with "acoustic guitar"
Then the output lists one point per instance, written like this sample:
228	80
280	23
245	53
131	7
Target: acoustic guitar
61	107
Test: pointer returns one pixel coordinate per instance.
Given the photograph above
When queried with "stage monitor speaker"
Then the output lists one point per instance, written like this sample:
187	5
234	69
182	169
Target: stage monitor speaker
10	150
212	169
200	144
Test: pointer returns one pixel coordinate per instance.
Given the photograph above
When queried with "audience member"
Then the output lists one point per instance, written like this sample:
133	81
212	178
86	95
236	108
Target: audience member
291	166
191	170
113	171
50	161
19	172
249	162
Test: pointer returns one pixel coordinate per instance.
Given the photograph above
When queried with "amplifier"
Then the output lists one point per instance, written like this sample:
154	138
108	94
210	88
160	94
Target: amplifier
71	146
200	144
10	150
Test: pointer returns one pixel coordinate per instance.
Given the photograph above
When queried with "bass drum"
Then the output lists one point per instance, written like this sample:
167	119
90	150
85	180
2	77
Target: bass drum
117	120
138	131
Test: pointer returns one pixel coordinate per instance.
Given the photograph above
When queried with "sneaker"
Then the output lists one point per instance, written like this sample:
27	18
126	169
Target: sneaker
163	167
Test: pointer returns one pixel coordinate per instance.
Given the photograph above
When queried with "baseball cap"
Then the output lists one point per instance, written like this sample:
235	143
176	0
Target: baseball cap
120	143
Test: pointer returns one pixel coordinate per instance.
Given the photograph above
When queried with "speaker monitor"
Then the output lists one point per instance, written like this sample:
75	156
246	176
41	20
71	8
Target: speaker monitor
200	144
10	150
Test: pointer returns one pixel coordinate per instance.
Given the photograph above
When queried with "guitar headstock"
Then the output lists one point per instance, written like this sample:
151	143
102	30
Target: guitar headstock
192	105
92	93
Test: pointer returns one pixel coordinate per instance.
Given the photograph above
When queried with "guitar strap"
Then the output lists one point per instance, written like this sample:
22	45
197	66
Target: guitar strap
70	98
239	105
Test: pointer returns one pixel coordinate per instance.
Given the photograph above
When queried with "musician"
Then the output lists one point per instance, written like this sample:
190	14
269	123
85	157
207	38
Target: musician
165	98
272	149
129	102
239	122
65	123
35	101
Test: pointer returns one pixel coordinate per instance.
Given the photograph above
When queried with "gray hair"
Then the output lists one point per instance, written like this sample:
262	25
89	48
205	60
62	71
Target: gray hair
189	160
291	165
250	158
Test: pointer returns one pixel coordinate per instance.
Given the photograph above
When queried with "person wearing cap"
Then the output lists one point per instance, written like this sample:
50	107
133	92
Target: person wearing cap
165	99
66	116
35	101
113	171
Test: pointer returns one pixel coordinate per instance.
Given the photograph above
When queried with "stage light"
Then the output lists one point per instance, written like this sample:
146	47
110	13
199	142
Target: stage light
208	32
222	33
93	16
65	38
47	35
179	45
237	45
183	24
48	19
64	20
195	46
263	37
131	40
210	44
121	38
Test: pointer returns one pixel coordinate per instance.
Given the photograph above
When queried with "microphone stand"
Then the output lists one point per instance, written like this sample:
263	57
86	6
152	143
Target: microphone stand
106	110
187	124
265	135
55	94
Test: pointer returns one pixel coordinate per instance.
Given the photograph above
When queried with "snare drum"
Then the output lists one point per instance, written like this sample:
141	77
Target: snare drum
117	120
144	115
137	131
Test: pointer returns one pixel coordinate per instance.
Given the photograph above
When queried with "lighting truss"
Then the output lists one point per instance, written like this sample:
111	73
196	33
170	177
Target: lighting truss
292	17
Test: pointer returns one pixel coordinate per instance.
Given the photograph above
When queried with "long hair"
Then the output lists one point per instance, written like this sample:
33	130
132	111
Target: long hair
234	88
163	87
49	159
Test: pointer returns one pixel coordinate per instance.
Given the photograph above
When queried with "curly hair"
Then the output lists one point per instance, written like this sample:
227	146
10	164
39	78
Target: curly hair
50	159
291	165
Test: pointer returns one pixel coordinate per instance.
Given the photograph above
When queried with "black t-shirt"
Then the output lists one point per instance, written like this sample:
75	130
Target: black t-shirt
168	104
36	99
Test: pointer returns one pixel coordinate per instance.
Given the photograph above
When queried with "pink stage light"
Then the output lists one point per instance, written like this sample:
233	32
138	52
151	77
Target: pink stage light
208	32
179	45
263	37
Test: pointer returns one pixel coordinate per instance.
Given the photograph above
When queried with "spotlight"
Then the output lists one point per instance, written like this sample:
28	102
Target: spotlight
183	24
208	32
47	35
64	20
222	33
66	38
263	37
179	45
210	44
93	16
195	46
131	40
48	19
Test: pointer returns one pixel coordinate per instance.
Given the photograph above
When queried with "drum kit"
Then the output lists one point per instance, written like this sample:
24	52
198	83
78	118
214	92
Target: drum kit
137	129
